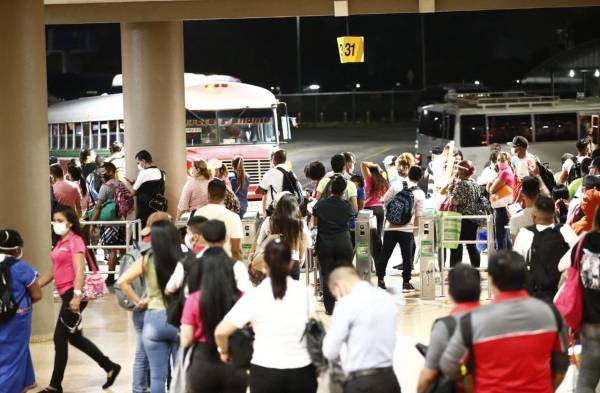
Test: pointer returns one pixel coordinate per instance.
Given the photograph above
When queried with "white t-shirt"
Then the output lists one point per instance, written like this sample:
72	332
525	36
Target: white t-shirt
145	175
419	196
278	324
272	182
522	219
566	167
524	239
233	223
265	231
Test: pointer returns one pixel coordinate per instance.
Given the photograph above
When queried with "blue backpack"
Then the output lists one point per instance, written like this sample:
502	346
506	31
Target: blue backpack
399	209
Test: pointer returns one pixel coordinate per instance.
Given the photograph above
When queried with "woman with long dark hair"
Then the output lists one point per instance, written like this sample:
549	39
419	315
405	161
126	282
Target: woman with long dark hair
202	313
376	186
69	258
77	177
286	221
160	338
278	310
240	182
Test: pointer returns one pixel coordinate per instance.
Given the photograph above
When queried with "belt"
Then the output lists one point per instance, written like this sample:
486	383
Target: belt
367	372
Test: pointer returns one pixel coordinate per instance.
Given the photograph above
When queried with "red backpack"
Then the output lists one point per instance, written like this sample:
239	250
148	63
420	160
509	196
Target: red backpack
123	198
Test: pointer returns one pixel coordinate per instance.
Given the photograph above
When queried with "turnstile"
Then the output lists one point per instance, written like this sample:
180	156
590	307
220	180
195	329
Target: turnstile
249	228
365	222
427	255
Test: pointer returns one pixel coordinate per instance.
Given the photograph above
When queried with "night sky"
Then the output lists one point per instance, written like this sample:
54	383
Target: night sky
493	47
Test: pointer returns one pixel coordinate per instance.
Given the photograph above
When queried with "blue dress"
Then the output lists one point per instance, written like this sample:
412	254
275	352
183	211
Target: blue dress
240	192
16	366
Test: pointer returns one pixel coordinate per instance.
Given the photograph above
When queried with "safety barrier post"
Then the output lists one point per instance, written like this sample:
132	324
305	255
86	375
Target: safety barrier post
249	228
427	255
362	230
490	247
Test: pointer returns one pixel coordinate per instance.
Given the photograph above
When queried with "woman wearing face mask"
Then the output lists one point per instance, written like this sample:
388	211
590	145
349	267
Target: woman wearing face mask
15	357
69	258
195	191
501	195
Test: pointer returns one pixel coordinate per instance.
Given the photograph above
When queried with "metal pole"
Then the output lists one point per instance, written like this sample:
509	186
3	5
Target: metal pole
552	82
491	250
443	254
423	52
354	105
298	57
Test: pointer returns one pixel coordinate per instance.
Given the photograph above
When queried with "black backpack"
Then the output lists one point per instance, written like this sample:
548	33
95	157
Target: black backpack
547	176
8	304
290	184
399	210
575	171
547	249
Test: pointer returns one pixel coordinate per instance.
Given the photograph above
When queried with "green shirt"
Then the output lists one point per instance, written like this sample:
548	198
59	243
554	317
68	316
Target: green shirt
350	188
574	186
155	295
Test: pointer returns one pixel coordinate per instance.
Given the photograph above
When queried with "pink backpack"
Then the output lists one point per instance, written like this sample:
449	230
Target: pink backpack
123	198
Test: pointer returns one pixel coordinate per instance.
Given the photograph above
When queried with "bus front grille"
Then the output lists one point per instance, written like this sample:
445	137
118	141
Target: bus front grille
255	169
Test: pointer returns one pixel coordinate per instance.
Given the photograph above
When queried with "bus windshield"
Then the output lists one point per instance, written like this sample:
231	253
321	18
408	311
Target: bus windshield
242	126
437	124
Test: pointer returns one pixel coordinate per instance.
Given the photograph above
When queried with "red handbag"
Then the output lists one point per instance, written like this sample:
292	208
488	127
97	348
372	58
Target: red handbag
569	299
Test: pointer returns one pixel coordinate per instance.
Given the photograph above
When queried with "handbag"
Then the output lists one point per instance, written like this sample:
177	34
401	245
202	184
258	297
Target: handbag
241	347
502	197
314	333
569	299
258	265
109	211
159	203
182	365
94	286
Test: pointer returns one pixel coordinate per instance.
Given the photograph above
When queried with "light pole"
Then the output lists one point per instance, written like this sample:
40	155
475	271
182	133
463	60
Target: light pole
315	88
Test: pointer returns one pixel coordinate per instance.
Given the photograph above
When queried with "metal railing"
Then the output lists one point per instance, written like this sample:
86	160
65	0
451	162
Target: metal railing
441	242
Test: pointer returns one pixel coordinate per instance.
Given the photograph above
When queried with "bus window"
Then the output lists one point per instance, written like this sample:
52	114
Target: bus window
103	136
112	136
555	127
78	135
472	131
70	127
85	140
55	137
94	143
193	136
431	123
504	128
449	124
121	136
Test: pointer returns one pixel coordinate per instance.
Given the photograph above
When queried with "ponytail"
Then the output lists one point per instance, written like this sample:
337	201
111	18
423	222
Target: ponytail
278	256
240	172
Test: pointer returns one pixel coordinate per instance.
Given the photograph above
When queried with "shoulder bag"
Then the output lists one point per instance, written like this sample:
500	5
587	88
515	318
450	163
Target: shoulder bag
94	286
569	299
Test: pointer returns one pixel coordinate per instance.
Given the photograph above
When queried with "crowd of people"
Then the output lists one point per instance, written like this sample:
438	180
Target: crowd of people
194	289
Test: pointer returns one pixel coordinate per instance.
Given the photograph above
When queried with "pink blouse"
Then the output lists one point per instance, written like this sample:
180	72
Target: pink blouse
194	195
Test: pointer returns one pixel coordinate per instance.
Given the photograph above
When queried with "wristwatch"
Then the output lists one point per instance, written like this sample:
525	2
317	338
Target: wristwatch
77	292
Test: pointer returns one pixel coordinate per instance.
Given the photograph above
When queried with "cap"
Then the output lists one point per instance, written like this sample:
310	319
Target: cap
519	141
214	163
583	142
437	150
154	217
389	160
590	181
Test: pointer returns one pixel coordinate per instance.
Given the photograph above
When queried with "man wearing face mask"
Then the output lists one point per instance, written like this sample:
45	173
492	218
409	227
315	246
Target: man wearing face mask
149	184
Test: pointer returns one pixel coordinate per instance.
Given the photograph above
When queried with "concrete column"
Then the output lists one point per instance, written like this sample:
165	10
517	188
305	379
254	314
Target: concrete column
25	190
154	104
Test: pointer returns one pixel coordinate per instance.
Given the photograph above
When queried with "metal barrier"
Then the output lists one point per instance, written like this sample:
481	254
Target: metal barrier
249	228
133	229
441	241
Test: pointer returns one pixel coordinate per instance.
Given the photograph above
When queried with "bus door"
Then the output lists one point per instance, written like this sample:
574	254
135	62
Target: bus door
281	114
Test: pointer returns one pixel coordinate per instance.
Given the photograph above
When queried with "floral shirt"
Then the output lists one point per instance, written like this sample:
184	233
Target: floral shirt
467	193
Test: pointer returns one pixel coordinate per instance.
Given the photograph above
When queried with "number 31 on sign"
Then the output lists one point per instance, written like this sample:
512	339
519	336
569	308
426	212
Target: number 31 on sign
352	49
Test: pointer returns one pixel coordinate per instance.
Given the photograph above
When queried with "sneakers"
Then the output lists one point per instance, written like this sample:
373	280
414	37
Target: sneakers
407	287
381	284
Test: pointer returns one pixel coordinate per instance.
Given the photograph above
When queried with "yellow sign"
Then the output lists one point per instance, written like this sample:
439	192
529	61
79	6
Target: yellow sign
352	49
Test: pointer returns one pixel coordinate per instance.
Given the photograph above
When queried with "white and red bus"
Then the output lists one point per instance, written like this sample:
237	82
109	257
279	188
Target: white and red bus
224	118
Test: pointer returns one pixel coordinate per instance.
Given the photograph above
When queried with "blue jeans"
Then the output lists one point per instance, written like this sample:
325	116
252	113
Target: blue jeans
140	361
161	342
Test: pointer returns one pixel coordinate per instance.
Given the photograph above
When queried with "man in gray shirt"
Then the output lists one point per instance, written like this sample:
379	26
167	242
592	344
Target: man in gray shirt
364	319
464	287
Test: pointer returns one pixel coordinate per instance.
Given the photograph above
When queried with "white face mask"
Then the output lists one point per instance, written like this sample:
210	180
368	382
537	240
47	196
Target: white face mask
60	228
140	167
189	242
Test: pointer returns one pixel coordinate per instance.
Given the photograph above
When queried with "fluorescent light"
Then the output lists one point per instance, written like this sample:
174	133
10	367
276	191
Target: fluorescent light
357	85
477	83
597	73
572	74
314	87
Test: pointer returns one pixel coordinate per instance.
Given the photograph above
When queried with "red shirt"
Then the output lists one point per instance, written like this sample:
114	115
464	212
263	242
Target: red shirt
191	317
62	256
67	194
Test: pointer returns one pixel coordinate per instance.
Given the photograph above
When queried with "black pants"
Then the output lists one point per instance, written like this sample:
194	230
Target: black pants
376	241
385	382
332	253
501	221
62	339
406	240
291	380
468	231
208	374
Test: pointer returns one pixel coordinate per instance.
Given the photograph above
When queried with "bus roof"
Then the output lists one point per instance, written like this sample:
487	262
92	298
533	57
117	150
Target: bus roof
212	96
463	107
